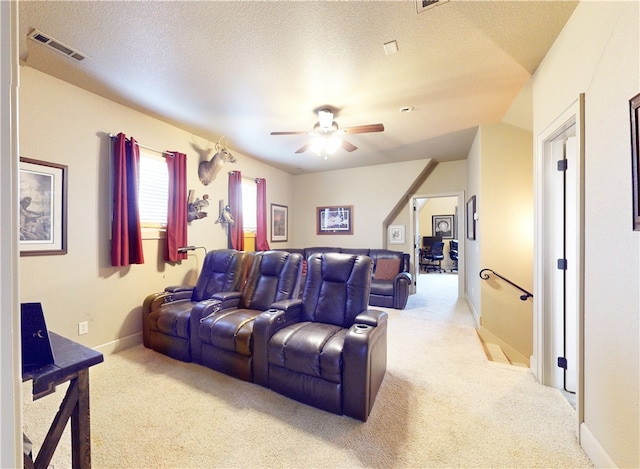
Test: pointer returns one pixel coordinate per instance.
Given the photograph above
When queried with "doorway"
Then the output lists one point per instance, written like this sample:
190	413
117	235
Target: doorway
427	208
559	253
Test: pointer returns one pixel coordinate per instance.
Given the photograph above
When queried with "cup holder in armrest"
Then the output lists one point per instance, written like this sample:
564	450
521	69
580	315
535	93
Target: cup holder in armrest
361	328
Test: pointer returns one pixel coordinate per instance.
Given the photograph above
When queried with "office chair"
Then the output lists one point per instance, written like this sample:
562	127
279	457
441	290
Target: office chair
435	257
453	254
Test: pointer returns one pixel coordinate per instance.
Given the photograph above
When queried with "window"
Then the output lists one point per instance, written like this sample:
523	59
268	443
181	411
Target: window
153	190
249	212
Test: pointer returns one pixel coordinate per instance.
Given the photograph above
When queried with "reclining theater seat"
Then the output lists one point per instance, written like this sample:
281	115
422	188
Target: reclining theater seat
222	327
326	349
165	315
391	280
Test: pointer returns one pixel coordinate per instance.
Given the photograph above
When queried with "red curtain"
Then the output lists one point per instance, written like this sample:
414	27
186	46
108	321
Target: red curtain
236	231
261	209
126	236
177	208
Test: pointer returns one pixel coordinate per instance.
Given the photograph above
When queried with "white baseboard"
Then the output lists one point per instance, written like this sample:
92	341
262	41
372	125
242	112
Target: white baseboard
474	312
598	455
120	344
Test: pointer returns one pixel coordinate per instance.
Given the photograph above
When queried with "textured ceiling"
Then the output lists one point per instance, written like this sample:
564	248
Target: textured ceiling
242	69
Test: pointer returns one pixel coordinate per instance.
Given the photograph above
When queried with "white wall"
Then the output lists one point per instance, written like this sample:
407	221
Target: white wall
598	53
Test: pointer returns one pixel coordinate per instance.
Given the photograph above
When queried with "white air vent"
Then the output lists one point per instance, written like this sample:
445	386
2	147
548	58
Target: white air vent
56	45
423	5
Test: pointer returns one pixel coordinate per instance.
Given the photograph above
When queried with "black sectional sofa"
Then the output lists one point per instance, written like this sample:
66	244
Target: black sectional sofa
391	279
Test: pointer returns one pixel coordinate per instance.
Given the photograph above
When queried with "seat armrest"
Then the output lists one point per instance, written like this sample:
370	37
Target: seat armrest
286	305
370	317
150	303
401	286
228	299
364	364
264	326
178	295
402	277
177	288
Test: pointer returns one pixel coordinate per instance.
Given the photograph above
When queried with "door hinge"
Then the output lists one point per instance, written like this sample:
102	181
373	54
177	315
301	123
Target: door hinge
562	363
562	264
562	165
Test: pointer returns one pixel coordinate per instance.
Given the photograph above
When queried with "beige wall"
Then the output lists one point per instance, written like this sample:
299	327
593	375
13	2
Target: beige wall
598	54
67	125
472	246
506	232
499	174
446	178
373	191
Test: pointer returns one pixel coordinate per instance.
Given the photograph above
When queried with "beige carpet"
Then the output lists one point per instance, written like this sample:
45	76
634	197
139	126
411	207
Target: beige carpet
441	405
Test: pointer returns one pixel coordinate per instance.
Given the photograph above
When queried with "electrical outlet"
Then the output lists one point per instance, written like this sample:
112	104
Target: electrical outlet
83	327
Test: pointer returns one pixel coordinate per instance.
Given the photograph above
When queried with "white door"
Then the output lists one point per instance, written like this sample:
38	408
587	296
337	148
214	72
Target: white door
562	259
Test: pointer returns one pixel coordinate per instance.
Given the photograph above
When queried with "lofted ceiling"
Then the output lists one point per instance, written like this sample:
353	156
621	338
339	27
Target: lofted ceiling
242	69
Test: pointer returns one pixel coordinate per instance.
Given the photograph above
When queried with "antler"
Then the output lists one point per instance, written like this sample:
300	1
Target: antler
220	146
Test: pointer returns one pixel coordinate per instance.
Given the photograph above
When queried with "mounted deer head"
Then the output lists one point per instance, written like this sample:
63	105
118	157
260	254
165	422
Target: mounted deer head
208	170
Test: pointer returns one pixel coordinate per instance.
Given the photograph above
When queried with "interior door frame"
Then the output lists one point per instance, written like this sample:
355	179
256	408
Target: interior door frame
461	230
543	361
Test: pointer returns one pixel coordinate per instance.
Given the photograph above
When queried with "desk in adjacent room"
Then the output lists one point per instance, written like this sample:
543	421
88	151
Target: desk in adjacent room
71	363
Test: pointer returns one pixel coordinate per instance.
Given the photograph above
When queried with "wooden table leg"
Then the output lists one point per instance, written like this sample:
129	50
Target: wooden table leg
80	425
52	439
75	406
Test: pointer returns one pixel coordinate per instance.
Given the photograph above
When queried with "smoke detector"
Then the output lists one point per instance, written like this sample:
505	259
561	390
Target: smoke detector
56	45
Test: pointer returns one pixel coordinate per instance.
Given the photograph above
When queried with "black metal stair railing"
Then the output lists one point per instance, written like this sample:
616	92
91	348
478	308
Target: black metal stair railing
485	276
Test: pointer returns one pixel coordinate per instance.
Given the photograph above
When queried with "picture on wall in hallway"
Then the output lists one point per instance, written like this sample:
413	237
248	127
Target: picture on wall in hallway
396	234
444	226
335	220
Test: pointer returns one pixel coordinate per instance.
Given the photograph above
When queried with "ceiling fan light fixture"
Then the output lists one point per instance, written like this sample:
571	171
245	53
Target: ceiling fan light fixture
323	145
317	144
333	143
325	119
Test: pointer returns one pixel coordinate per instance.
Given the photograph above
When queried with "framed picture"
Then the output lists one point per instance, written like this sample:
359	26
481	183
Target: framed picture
634	109
444	225
396	234
334	220
279	223
43	208
471	218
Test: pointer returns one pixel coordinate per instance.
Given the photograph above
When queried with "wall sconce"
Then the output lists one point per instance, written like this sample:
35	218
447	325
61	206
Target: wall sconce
191	248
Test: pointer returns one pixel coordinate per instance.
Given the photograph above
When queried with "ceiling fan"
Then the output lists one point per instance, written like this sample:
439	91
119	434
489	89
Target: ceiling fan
327	136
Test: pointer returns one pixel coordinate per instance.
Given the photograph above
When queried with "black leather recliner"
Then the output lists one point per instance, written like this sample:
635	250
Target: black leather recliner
326	349
166	315
222	327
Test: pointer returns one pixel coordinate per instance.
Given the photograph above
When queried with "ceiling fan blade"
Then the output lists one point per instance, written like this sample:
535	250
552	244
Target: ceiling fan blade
348	146
301	132
303	148
363	129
